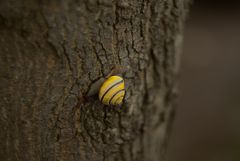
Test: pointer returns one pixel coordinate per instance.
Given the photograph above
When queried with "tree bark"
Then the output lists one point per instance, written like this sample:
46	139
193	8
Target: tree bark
51	54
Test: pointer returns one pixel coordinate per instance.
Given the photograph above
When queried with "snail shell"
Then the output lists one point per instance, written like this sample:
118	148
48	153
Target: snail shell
112	91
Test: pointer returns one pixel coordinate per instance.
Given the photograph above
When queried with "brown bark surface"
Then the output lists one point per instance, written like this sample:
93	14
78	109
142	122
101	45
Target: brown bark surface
50	55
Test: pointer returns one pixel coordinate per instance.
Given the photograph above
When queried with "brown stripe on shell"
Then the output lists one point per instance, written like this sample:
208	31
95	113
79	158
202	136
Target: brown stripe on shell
118	99
115	95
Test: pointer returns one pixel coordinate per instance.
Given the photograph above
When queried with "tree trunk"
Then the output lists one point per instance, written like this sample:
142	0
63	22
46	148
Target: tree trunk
51	54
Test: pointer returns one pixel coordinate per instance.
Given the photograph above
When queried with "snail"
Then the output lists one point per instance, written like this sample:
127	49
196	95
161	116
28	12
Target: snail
111	89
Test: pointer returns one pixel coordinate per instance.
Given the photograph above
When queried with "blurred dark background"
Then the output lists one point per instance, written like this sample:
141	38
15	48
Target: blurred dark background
207	122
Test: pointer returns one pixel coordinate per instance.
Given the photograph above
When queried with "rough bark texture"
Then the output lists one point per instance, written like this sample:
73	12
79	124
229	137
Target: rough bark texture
51	53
